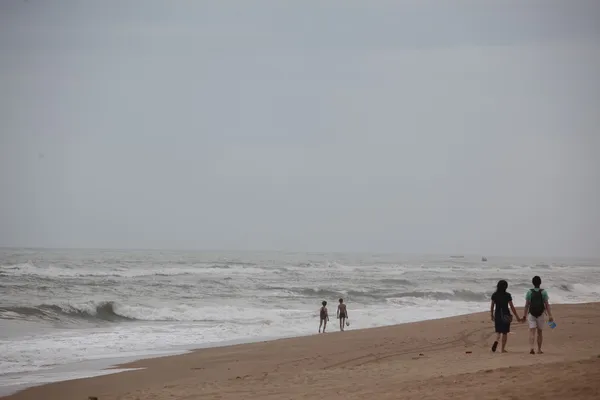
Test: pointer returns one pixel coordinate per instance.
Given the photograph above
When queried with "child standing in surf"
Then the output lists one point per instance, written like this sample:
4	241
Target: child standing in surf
324	317
342	314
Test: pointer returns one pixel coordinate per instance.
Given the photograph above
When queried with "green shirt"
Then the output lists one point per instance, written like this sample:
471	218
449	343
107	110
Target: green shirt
544	295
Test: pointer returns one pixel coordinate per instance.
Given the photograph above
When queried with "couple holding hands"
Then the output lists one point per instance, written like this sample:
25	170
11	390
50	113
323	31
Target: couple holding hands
536	306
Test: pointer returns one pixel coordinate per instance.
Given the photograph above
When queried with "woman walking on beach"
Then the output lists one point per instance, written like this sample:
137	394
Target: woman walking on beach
501	301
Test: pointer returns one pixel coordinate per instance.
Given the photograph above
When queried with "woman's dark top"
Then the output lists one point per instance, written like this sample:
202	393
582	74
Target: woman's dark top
502	308
502	300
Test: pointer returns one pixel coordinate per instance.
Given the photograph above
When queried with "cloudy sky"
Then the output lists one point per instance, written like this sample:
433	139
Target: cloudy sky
393	126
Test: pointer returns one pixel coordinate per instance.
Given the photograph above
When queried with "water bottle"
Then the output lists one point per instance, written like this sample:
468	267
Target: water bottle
552	324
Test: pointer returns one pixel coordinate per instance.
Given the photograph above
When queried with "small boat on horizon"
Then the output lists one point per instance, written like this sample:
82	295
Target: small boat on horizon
483	259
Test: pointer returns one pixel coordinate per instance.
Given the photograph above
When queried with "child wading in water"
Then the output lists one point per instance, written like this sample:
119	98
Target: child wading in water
342	314
324	316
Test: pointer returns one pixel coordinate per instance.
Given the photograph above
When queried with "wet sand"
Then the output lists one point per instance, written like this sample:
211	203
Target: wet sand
436	359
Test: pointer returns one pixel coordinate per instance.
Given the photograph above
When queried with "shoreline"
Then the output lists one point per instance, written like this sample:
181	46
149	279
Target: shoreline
109	365
104	366
265	364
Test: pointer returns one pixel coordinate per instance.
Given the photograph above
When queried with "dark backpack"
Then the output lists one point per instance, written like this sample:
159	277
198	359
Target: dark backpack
536	304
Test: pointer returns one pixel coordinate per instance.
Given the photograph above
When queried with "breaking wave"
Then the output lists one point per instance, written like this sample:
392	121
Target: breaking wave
455	295
110	311
104	311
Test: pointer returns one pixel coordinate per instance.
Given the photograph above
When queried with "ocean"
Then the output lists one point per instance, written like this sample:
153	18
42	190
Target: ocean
69	313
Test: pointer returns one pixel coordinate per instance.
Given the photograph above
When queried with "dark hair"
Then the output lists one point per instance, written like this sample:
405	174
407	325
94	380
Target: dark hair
501	286
341	300
537	281
324	303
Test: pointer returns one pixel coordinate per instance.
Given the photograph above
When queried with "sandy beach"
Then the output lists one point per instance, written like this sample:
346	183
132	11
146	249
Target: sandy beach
445	358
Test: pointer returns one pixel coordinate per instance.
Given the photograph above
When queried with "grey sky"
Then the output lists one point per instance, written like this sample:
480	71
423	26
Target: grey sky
414	126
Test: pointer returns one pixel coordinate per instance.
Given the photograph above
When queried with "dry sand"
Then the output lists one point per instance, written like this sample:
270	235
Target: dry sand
441	359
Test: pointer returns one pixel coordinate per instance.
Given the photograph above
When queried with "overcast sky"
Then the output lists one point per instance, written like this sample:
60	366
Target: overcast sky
396	126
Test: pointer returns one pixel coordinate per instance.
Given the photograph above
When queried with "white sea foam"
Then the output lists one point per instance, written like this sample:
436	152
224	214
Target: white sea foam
39	352
52	271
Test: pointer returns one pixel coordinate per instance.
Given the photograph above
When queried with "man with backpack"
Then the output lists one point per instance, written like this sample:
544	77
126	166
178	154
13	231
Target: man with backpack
536	304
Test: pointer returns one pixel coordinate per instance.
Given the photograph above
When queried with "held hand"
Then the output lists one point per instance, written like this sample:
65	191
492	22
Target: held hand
551	319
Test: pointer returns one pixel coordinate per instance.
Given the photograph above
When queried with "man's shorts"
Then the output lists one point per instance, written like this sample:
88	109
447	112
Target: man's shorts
536	322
